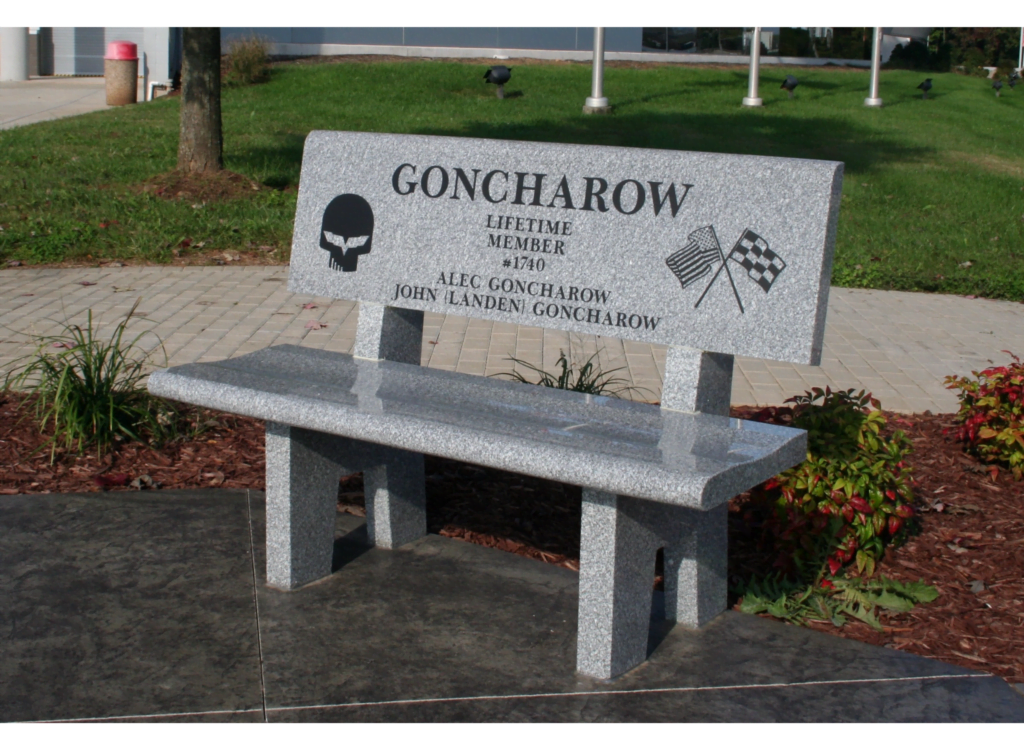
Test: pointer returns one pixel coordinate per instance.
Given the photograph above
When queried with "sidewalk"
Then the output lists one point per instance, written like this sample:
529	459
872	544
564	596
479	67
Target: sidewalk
898	345
50	98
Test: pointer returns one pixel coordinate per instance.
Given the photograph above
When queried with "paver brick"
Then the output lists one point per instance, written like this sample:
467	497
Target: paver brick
898	344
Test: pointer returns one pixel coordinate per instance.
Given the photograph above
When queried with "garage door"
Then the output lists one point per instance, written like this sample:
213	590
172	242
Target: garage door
78	51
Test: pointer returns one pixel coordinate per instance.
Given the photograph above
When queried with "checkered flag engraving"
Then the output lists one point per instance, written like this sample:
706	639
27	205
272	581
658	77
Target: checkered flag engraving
762	263
695	259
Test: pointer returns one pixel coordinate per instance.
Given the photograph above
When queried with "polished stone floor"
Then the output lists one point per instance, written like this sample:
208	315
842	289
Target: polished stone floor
153	606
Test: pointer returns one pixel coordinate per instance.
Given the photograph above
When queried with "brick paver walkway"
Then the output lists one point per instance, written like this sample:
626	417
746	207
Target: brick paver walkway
898	345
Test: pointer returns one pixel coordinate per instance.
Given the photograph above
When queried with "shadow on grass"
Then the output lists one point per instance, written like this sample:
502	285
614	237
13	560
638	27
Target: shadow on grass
745	132
861	148
275	166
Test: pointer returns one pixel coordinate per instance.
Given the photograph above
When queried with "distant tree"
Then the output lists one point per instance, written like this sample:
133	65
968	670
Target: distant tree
201	142
994	44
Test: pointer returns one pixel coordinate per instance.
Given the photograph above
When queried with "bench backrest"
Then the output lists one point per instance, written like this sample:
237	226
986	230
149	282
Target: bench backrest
714	252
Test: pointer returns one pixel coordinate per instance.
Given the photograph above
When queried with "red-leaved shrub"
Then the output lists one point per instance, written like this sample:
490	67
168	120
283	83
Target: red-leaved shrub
849	499
991	416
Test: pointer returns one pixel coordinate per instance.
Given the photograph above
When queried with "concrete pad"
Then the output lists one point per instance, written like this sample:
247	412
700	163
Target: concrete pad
153	607
126	604
52	97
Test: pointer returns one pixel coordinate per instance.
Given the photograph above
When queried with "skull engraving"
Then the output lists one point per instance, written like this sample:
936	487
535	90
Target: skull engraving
347	231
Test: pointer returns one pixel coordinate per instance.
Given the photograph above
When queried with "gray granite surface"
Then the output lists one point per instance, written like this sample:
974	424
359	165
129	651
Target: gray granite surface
697	381
619	541
389	333
627	448
581	238
303	469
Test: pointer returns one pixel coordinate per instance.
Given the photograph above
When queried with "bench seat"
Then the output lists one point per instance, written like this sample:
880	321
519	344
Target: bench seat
599	442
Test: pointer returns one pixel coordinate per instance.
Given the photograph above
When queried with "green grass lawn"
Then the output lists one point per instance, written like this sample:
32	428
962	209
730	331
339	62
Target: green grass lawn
933	197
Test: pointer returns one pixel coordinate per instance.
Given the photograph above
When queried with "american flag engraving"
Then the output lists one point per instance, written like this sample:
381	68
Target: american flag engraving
695	259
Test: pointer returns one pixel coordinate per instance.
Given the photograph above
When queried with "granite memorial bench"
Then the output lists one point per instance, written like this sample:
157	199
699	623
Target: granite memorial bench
712	255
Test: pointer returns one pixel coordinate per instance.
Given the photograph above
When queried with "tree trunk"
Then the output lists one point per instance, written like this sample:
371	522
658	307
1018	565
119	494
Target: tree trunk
201	143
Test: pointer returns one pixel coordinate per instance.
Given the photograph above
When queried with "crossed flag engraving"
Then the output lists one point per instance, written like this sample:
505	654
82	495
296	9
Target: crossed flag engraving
702	251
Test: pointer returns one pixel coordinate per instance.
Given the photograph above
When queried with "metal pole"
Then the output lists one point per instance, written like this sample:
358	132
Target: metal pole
752	99
597	102
14	53
876	65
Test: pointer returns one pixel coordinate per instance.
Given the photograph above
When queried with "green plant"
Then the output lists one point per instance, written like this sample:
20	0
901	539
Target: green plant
973	62
850	498
89	391
1005	66
833	600
991	416
585	378
248	60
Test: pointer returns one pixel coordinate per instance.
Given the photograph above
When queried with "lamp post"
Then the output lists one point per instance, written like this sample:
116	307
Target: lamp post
876	64
597	102
752	99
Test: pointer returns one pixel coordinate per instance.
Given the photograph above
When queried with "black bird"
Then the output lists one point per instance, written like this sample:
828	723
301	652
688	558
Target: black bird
925	87
789	84
997	86
499	75
1014	77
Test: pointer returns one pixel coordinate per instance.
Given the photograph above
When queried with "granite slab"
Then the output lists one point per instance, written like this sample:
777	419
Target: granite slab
719	252
618	446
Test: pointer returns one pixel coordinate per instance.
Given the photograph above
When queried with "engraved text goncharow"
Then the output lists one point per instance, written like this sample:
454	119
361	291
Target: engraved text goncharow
497	186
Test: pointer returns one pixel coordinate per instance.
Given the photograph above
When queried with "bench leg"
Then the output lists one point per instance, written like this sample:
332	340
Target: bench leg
696	562
396	500
619	540
302	496
617	551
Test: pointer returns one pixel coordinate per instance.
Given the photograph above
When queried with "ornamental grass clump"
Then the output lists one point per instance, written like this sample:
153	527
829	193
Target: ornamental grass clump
248	60
991	416
89	391
585	378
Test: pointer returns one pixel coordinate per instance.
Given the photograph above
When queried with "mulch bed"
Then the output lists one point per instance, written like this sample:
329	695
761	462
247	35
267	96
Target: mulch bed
220	185
971	543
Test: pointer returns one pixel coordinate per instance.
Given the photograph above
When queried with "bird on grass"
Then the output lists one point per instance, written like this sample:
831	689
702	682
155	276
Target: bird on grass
499	75
925	86
1014	77
998	85
789	84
